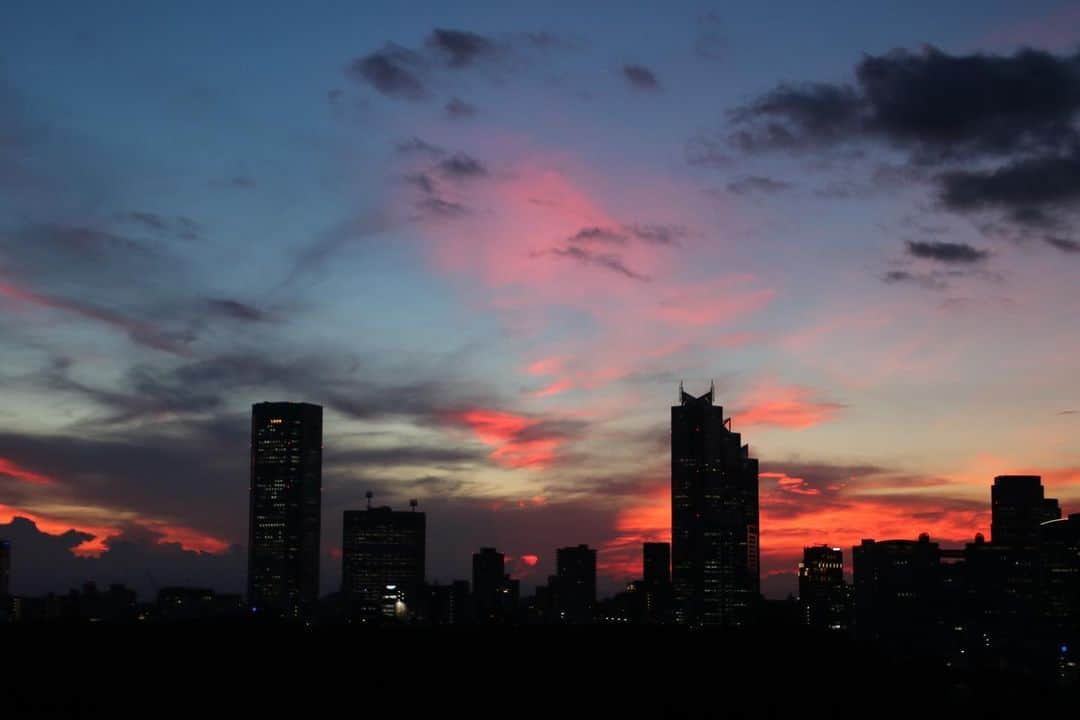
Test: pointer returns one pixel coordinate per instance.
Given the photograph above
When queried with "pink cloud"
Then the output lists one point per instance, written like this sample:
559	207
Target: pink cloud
788	406
11	469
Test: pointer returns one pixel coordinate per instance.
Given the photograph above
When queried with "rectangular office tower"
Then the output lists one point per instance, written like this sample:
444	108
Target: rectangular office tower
286	491
575	594
822	598
5	568
1017	508
714	517
382	548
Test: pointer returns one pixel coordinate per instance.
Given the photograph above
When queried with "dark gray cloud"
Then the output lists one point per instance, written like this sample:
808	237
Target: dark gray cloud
148	220
236	310
946	252
598	235
1063	244
796	117
936	104
440	207
459	48
422	181
657	234
607	261
1030	189
393	71
460	166
648	233
706	150
1017	117
640	77
756	183
930	281
403	73
459	109
418	146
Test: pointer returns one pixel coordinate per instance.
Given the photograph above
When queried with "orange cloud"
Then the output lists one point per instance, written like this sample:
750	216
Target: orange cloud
11	469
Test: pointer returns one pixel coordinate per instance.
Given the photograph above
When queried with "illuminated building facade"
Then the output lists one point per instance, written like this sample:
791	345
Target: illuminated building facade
382	548
822	600
284	520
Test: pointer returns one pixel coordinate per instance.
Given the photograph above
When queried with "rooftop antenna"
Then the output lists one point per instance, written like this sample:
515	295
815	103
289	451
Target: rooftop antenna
413	503
369	495
712	390
680	391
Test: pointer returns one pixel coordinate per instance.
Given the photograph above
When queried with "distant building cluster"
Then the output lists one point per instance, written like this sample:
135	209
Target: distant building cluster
1014	599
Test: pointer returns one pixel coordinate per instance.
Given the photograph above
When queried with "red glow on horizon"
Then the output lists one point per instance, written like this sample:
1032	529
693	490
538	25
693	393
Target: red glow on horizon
187	538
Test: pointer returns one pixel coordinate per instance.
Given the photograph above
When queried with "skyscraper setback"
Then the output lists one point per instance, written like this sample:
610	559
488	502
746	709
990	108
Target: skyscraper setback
714	516
284	521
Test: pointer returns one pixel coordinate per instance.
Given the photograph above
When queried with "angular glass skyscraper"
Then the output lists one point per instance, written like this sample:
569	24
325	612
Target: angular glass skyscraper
286	499
714	517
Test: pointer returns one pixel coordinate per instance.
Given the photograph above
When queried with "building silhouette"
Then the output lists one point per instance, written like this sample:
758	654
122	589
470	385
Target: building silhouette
822	595
495	594
575	596
284	520
656	563
898	592
1018	508
1060	550
382	548
448	604
5	569
656	585
714	517
6	604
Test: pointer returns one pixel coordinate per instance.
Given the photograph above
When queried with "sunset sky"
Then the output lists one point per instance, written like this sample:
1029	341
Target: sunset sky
492	238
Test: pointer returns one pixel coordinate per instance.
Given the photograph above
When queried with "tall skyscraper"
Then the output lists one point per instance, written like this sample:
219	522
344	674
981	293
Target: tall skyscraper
495	594
5	568
656	587
575	595
821	588
379	548
714	517
1017	508
656	563
286	499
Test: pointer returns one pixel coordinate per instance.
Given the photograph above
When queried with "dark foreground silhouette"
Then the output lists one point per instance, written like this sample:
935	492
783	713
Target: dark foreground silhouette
247	669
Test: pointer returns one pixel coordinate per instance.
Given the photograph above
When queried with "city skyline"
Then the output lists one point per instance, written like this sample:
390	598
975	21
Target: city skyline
490	241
